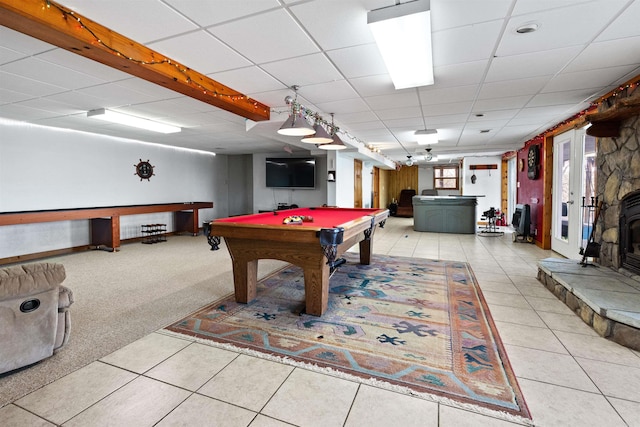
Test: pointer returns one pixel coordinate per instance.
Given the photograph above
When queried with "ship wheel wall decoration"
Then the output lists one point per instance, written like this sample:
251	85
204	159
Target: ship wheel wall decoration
144	170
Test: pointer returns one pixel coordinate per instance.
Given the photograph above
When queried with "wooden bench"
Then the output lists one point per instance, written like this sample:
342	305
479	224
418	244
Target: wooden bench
105	221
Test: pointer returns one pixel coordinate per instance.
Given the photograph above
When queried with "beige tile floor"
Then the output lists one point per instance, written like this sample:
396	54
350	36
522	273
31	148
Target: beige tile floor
569	375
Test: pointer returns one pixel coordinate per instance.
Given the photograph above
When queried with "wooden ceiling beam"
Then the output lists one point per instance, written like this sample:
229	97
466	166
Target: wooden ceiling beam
59	26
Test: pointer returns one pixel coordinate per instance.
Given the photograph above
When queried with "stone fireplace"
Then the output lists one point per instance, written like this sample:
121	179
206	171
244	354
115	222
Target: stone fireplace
618	183
609	301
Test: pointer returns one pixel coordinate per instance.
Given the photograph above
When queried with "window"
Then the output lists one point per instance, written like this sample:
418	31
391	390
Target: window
445	177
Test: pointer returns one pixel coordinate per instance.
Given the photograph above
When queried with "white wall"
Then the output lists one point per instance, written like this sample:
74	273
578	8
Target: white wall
344	181
268	198
487	182
332	187
240	184
44	168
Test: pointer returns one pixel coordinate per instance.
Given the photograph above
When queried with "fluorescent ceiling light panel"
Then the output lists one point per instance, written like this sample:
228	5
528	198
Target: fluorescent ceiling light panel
403	35
426	136
127	120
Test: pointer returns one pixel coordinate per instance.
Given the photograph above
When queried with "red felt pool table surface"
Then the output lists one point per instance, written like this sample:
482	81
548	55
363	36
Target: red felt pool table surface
250	238
322	217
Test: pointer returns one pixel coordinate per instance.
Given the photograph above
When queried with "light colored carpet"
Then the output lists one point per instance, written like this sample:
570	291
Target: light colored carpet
123	296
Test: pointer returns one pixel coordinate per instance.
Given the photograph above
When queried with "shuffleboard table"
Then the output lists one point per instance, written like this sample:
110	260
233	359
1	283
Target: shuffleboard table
315	245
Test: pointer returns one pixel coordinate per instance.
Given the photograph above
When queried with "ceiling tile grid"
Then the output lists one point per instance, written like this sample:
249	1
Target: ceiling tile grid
521	83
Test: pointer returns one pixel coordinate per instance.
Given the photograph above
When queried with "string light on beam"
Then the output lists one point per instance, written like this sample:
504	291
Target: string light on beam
47	6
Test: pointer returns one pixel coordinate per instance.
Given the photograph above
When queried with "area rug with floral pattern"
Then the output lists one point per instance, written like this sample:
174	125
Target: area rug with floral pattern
416	325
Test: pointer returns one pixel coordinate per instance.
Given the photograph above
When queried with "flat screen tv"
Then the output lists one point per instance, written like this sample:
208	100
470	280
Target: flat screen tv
291	172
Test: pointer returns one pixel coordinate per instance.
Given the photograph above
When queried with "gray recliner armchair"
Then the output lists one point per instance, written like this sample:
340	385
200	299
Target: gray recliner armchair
34	313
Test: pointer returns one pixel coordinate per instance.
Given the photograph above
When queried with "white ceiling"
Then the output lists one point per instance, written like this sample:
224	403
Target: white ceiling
521	84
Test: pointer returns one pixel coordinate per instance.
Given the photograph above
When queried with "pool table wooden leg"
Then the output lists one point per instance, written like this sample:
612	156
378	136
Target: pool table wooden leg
316	287
245	278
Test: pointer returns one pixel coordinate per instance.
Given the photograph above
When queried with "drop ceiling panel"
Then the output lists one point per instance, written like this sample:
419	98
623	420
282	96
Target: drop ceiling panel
451	121
624	26
465	44
430	95
165	110
487	124
527	7
210	12
359	61
142	20
53	106
504	103
30	87
526	86
493	115
451	14
379	135
248	80
80	64
155	92
344	106
266	37
22	43
399	113
261	47
218	57
366	126
303	70
556	98
9	55
460	74
527	65
343	23
447	108
380	84
359	117
327	92
407	98
8	96
59	76
115	95
19	111
546	112
604	77
405	122
82	101
608	53
569	26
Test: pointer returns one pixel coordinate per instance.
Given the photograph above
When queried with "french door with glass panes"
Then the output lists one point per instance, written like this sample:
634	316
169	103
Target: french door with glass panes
573	192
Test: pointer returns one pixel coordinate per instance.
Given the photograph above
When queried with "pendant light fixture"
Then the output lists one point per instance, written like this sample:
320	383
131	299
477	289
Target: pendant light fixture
336	142
296	124
321	136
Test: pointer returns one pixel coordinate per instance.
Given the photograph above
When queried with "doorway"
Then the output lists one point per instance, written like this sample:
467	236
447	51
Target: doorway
573	191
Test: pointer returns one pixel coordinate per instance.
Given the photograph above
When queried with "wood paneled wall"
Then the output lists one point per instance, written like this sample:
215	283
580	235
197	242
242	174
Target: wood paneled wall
405	178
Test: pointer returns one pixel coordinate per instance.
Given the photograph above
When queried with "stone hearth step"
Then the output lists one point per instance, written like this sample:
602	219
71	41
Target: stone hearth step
606	300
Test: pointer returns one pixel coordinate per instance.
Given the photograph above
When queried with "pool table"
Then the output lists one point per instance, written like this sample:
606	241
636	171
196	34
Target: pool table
315	245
